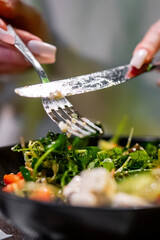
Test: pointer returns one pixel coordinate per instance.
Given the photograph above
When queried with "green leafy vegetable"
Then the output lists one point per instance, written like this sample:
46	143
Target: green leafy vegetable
107	164
26	173
58	159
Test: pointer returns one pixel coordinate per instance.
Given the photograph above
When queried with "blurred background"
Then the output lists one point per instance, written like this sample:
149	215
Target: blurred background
90	36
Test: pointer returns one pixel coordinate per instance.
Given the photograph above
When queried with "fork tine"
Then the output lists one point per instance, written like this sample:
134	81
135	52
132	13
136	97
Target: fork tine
62	110
59	121
69	106
77	121
68	120
90	125
59	106
57	114
86	120
82	124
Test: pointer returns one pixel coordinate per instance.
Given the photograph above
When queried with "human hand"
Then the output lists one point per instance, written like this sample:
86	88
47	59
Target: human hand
16	13
148	47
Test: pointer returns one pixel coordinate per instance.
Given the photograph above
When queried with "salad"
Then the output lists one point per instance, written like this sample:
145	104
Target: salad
82	174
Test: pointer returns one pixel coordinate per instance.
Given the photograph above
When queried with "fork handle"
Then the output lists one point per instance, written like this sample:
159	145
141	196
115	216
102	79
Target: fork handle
27	53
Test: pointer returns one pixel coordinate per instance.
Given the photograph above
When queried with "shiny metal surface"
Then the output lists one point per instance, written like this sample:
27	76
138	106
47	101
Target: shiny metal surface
85	83
76	85
61	111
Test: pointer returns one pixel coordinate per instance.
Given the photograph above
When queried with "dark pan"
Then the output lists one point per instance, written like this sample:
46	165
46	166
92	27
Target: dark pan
59	221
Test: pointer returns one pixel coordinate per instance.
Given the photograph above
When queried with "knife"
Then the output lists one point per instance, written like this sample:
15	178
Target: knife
86	83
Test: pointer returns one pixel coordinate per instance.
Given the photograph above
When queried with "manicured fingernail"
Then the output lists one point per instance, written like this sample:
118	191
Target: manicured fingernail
42	48
139	58
6	37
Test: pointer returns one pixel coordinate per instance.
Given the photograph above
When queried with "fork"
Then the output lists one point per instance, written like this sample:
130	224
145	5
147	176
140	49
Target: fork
61	111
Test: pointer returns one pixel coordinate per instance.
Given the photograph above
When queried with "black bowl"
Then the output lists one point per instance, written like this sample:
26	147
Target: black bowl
59	221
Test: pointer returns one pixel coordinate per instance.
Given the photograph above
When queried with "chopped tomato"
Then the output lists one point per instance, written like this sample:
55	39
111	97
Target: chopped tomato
21	183
42	194
14	186
19	174
9	188
11	178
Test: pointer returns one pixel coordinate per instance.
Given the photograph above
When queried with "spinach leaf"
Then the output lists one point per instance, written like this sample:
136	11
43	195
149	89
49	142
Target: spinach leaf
152	150
107	164
139	159
95	163
115	153
80	143
26	173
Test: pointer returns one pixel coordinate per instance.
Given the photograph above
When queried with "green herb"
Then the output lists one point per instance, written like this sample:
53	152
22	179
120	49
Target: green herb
149	67
58	159
107	164
26	173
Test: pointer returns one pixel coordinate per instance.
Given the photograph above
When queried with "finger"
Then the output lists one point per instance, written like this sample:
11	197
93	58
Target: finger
151	41
45	60
42	49
3	24
4	35
148	47
11	68
34	43
37	46
9	38
15	67
10	55
19	67
26	36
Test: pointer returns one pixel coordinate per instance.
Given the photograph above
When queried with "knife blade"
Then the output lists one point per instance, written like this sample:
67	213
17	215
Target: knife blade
83	84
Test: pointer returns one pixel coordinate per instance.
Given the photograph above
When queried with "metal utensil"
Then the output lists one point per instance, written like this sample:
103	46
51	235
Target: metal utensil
85	83
60	111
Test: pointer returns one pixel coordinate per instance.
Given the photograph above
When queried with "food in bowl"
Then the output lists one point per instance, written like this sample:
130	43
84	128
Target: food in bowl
82	174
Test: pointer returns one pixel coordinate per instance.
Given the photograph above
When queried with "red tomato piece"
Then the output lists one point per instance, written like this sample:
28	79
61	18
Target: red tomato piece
19	174
42	194
13	186
11	178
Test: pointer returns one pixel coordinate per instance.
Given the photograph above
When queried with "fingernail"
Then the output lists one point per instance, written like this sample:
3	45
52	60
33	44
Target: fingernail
6	37
139	58
42	48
